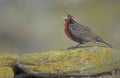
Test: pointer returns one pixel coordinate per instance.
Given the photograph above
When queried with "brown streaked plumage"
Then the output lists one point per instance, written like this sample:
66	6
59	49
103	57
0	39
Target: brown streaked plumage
80	33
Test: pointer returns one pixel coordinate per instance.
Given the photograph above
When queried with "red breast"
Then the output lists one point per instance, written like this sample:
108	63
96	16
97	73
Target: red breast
66	24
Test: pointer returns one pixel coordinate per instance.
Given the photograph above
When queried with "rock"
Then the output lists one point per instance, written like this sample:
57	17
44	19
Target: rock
6	62
6	72
7	59
85	61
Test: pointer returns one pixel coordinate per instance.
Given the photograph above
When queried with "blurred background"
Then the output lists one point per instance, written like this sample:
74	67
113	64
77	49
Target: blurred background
37	25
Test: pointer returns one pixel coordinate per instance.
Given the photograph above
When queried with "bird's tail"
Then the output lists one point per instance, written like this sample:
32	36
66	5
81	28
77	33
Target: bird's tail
102	41
106	44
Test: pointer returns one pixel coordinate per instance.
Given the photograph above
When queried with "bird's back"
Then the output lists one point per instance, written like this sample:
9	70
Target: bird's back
80	33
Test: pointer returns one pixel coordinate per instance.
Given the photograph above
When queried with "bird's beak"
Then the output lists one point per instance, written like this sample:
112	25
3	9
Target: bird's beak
65	17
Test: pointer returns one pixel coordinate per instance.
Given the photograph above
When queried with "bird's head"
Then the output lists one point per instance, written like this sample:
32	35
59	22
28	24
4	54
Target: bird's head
69	19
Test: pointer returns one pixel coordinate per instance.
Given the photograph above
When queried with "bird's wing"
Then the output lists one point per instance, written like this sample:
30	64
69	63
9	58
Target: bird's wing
84	34
81	32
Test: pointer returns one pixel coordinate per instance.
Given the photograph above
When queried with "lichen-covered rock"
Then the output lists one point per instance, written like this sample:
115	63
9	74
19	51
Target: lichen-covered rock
71	62
6	72
6	62
7	59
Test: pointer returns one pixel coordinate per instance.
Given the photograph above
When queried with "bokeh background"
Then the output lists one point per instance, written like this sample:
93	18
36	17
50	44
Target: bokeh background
37	25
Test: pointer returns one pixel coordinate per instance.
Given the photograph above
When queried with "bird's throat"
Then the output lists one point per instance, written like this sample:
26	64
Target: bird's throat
66	22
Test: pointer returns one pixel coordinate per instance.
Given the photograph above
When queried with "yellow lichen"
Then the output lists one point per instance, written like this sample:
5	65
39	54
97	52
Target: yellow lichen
90	60
7	59
6	72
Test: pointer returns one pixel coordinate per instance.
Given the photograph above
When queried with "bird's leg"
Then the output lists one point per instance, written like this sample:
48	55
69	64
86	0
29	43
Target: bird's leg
71	47
74	46
77	45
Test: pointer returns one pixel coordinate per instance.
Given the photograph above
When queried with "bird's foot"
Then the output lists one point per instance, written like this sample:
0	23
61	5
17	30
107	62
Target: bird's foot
77	46
71	47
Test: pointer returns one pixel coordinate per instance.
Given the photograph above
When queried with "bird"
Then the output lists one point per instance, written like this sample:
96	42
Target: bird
79	33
